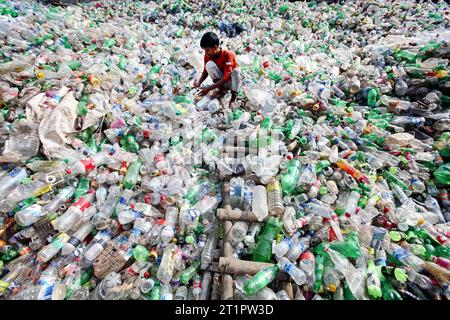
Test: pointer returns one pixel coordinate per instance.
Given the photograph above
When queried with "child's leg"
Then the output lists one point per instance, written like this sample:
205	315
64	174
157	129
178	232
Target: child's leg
235	83
213	71
236	80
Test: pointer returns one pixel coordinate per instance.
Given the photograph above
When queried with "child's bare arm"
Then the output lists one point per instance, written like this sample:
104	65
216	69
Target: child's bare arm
202	78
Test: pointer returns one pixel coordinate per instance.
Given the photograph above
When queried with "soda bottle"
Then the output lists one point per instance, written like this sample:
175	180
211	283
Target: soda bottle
349	248
66	221
189	273
260	280
197	287
373	280
263	249
289	180
132	175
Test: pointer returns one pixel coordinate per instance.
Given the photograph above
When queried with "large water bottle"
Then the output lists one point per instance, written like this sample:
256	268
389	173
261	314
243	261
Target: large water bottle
10	181
166	267
259	204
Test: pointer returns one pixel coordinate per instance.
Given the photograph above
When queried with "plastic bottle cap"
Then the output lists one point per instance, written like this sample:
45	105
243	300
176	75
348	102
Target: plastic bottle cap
403	227
395	236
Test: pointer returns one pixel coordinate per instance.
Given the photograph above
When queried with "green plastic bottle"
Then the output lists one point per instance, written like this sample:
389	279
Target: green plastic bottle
373	97
373	280
190	272
74	64
263	249
389	293
393	179
130	179
348	248
82	105
155	294
260	280
442	174
140	253
442	251
122	63
289	180
110	43
319	269
82	188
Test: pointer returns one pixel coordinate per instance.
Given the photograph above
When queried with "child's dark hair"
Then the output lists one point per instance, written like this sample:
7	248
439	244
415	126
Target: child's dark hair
209	40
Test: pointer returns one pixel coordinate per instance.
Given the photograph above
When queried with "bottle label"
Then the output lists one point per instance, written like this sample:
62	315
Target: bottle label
123	200
287	267
400	254
3	286
46	291
74	241
82	204
88	164
15	172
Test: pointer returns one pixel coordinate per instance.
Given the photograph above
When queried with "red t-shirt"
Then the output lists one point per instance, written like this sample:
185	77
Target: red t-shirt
225	61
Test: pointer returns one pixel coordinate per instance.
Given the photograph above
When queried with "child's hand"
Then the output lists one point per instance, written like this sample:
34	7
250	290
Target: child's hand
204	90
196	84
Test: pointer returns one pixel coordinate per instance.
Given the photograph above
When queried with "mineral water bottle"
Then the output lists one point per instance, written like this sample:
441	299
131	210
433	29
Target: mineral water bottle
11	180
275	201
296	274
29	215
280	249
259	204
61	198
166	267
238	232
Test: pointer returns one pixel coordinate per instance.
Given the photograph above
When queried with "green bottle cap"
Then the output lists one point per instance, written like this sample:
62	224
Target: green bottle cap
190	239
339	211
323	190
400	275
395	236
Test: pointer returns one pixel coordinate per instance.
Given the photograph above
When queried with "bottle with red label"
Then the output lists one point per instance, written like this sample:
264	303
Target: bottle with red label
66	221
83	166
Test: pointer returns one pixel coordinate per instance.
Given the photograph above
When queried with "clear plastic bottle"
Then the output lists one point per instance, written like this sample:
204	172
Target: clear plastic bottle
210	245
168	231
61	198
11	180
29	215
52	249
181	293
259	204
280	249
274	197
238	232
66	221
296	274
166	267
78	236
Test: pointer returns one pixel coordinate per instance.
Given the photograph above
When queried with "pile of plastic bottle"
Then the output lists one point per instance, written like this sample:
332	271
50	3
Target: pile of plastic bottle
112	166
